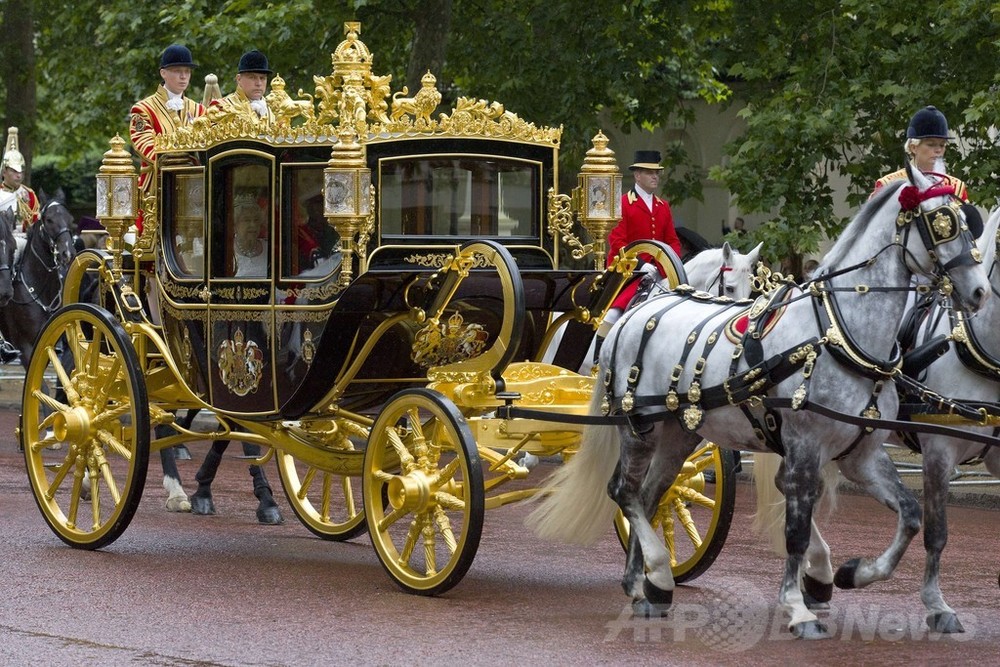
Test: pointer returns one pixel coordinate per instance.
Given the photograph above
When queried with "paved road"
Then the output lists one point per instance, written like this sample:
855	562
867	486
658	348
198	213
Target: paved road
182	590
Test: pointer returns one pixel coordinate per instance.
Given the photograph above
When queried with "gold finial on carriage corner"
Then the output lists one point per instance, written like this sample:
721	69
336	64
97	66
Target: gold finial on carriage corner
117	197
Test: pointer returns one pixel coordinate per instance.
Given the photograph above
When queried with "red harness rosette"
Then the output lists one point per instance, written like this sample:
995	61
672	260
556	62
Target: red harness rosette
911	196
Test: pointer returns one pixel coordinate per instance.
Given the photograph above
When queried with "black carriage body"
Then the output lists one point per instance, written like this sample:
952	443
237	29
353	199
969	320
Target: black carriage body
272	334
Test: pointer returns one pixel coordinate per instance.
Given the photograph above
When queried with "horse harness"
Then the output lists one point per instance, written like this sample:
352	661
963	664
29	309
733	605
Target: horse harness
974	357
747	389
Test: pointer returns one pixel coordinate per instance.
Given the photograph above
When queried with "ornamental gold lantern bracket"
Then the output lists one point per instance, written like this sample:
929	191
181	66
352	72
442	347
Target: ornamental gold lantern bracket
599	196
117	198
347	184
596	201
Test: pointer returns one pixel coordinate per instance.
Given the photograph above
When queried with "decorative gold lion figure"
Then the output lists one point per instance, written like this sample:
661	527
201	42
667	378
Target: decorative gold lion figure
284	107
421	105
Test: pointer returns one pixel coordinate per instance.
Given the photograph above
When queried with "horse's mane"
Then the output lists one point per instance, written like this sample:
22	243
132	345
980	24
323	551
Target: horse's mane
859	224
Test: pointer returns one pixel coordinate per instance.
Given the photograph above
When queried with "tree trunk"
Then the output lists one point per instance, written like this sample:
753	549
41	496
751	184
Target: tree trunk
18	67
432	24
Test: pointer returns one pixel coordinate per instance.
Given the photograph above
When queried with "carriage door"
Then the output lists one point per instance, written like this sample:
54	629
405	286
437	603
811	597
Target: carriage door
241	267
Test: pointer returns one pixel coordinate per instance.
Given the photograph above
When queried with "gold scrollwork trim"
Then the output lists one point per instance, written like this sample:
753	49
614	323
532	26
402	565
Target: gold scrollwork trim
319	293
284	316
184	314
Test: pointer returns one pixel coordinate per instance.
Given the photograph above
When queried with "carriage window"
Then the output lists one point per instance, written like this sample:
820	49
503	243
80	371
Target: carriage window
242	207
187	236
310	245
458	196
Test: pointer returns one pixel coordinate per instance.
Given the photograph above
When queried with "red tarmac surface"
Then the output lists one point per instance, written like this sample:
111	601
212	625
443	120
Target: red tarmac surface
187	590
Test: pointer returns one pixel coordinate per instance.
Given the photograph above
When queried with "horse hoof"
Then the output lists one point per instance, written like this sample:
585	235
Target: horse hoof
202	505
182	453
178	504
946	623
809	630
269	516
643	608
844	579
816	594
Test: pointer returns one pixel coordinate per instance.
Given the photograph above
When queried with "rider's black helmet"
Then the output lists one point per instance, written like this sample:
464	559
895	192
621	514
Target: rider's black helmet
928	123
254	61
176	55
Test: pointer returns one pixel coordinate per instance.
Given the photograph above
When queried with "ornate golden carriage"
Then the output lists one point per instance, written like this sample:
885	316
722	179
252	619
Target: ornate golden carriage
357	286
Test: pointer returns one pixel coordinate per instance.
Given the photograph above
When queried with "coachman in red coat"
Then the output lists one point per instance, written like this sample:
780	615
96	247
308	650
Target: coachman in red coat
644	217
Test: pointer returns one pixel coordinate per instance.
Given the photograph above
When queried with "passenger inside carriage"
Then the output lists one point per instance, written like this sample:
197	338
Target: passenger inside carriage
250	247
316	239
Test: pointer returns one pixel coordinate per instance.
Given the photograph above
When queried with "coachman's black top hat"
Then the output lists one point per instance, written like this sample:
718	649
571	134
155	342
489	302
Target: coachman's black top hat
254	61
928	123
176	55
647	160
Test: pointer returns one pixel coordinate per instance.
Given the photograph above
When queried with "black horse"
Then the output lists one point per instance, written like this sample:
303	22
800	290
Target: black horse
37	278
201	501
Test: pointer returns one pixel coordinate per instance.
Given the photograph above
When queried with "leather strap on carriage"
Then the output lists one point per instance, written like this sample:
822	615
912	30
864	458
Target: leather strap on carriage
750	347
609	374
887	424
749	385
693	415
970	351
930	402
842	345
916	361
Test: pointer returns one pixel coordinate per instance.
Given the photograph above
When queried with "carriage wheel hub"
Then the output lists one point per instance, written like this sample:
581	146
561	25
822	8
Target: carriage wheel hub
72	425
410	492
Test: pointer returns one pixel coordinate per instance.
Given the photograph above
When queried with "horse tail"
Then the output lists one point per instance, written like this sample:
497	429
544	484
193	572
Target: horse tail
575	506
769	520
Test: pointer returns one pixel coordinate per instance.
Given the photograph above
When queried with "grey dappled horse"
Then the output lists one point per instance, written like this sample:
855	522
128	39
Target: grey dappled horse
969	370
851	331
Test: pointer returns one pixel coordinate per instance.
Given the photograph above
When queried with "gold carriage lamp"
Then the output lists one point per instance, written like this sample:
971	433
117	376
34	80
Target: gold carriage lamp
117	196
598	197
346	201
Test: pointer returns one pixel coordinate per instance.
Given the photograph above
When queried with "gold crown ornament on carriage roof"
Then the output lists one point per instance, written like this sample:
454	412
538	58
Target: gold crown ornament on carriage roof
353	96
12	154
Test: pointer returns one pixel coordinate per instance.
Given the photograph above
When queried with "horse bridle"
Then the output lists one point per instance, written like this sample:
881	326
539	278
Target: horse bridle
937	226
55	266
49	240
720	278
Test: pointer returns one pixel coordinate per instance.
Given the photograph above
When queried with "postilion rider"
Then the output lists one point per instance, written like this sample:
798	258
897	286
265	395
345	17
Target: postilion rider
927	137
644	217
926	140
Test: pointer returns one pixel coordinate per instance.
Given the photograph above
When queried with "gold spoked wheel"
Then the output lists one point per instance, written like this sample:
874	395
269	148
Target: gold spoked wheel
694	516
423	461
328	504
85	426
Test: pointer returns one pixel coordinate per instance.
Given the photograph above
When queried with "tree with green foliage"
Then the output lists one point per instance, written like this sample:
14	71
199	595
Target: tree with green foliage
829	89
557	64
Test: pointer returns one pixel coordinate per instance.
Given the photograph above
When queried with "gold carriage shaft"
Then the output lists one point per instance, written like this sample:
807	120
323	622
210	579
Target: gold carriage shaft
357	286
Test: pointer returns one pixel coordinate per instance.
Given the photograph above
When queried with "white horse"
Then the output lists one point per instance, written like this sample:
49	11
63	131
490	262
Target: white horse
721	271
685	353
969	371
